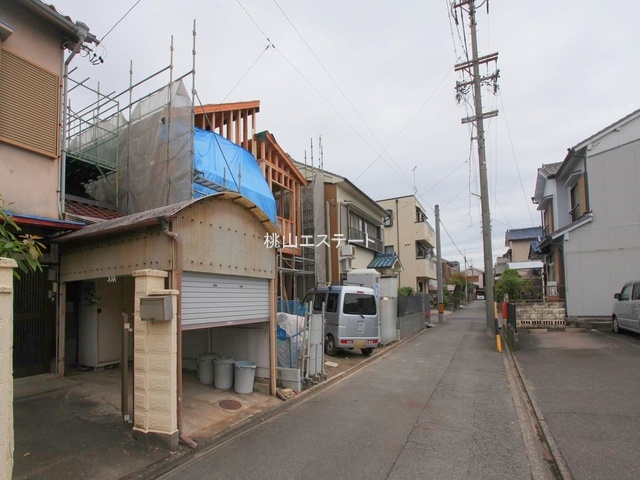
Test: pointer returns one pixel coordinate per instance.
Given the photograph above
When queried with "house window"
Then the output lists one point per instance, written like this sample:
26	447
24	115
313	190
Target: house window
388	221
575	203
548	220
578	199
389	249
364	233
29	105
421	217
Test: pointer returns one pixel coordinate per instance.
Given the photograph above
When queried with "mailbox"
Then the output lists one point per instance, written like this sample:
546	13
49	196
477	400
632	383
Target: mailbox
156	308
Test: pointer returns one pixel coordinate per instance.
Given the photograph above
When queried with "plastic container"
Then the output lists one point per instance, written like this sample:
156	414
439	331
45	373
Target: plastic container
223	373
205	367
245	376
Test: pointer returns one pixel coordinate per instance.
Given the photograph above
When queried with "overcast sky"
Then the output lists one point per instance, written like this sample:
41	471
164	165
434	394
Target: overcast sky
375	79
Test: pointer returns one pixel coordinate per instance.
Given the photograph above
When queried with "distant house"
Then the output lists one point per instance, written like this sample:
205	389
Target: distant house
520	243
354	232
474	275
409	235
591	219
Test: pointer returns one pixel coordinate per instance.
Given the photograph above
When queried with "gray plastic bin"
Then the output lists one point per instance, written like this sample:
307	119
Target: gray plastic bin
223	375
245	376
205	367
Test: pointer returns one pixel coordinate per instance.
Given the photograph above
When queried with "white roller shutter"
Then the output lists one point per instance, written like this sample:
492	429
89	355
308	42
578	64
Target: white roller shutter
217	300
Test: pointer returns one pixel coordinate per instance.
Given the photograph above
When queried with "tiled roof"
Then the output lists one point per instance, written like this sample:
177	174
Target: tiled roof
550	169
531	233
87	210
384	260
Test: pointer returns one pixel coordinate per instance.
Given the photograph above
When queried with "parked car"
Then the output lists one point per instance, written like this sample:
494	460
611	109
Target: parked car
626	308
351	317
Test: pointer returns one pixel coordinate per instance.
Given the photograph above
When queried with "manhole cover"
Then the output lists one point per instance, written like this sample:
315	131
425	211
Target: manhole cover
230	404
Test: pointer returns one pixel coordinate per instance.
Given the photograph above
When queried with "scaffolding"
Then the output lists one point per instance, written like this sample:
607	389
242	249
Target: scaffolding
113	137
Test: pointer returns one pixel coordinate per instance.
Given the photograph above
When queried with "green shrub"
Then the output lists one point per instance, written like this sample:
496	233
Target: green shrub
405	291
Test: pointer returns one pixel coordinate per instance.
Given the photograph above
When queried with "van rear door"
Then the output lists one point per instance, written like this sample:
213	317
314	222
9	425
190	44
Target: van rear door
361	315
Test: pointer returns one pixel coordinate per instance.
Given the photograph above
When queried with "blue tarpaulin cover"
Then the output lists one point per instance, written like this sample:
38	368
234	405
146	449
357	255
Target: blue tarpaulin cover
231	167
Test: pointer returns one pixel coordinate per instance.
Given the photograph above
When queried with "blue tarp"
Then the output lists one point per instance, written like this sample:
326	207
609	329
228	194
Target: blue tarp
226	164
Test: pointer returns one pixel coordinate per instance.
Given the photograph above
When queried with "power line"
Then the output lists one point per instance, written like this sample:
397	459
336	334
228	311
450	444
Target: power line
122	18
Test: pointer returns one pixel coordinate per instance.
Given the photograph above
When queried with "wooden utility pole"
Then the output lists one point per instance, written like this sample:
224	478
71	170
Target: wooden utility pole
472	72
439	269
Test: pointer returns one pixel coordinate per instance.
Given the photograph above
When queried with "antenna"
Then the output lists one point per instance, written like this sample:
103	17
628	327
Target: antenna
321	160
415	190
312	153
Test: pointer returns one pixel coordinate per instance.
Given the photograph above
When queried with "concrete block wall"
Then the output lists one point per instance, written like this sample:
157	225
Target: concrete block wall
155	357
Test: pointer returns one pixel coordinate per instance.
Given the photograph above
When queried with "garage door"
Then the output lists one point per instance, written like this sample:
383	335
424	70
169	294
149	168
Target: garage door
218	300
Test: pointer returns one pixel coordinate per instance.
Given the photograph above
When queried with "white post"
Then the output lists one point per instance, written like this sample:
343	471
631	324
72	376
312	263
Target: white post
6	366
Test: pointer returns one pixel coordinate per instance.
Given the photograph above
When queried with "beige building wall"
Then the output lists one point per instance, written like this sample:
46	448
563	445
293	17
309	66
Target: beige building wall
520	250
402	235
36	42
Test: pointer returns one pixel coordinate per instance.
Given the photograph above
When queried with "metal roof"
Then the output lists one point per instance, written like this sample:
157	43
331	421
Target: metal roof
151	217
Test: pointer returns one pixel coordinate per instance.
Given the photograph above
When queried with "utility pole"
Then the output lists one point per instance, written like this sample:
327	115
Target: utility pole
439	268
472	70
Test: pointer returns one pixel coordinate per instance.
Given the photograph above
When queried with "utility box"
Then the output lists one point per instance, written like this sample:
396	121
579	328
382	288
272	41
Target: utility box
156	308
366	277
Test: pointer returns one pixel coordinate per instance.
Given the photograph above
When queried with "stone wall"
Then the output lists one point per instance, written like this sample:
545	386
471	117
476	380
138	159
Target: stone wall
541	315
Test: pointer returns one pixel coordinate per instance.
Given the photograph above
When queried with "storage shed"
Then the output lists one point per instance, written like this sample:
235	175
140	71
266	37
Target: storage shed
209	254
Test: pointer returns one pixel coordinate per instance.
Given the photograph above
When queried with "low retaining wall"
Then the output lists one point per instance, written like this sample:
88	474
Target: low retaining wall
410	324
541	315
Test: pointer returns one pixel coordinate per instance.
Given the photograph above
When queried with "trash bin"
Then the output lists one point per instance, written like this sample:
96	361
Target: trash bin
223	373
245	376
205	367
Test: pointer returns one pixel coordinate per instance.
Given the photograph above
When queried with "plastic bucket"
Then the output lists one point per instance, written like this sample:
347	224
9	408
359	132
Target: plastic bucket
223	373
205	367
245	376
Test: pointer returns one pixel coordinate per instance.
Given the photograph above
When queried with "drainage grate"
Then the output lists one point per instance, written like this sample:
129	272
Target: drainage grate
230	404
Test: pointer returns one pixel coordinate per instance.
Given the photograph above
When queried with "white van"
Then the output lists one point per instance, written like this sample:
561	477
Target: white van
626	308
351	317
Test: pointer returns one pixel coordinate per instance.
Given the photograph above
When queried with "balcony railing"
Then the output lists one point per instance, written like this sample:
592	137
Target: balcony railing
362	239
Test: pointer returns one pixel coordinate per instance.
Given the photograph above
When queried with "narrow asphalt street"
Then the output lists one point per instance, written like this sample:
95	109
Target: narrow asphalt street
439	406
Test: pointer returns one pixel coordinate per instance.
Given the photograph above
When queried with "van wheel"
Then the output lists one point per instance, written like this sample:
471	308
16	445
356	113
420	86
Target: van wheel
616	325
366	351
330	346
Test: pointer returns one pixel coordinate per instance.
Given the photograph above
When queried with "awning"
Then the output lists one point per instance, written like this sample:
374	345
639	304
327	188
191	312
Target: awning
44	222
386	260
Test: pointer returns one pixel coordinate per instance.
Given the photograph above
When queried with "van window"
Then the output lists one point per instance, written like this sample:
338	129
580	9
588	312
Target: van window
636	292
318	300
626	293
359	303
332	302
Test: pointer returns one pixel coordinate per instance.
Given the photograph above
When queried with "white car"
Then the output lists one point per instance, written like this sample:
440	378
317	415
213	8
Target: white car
626	308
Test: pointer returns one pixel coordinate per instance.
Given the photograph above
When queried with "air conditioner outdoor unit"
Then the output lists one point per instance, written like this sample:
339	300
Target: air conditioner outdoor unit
348	251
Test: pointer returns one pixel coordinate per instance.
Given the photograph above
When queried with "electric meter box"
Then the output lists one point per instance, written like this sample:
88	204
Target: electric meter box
156	308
